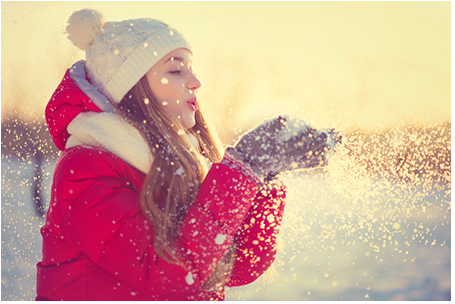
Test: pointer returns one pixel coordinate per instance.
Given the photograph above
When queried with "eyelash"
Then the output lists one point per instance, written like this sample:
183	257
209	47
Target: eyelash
178	72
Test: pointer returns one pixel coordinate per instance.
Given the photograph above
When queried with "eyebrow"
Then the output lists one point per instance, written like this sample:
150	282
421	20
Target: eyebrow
176	59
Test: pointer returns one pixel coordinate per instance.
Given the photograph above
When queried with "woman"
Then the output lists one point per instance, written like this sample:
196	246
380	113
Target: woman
144	205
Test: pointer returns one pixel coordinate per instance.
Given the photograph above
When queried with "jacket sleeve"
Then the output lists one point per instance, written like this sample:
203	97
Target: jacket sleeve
102	217
256	240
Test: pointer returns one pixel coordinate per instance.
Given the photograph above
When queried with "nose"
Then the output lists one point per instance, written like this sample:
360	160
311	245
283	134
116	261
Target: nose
193	83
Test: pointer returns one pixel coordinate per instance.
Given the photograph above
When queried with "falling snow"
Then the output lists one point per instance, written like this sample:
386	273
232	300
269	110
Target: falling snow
374	224
220	238
189	279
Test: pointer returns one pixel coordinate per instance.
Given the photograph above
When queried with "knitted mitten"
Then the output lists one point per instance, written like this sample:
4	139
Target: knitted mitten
283	144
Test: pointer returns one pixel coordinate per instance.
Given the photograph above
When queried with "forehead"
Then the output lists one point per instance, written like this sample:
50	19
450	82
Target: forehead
180	55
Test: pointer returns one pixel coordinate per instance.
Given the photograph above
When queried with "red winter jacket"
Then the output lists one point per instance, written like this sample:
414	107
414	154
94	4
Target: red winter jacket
97	244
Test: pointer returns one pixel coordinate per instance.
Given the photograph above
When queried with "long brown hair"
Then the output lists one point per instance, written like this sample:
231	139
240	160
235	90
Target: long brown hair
165	195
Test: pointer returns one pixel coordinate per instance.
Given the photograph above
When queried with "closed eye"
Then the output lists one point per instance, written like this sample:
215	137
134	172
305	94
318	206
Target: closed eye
177	72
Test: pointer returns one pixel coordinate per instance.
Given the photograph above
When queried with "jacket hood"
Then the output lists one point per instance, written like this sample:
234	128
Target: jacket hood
73	96
78	115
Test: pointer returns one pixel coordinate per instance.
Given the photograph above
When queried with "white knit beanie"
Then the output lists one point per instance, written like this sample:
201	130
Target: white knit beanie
119	54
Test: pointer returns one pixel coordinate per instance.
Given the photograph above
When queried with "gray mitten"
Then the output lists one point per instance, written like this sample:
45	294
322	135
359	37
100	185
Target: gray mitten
283	144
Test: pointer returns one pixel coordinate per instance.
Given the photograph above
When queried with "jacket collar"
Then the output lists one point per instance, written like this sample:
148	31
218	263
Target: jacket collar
108	131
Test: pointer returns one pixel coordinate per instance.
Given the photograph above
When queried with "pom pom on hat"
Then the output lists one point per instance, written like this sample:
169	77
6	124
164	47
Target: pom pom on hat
83	26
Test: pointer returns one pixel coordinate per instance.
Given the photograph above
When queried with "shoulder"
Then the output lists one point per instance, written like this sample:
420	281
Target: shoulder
85	162
87	158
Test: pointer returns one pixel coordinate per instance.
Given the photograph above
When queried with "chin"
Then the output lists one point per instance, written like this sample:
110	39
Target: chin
190	124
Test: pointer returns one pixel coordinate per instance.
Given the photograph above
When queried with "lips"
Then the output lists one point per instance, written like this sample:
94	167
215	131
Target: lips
193	104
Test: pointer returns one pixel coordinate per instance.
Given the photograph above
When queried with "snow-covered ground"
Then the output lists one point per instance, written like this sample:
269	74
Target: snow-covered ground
359	239
343	238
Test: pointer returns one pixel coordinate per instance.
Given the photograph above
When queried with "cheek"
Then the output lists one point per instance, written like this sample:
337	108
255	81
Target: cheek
159	92
167	92
173	108
159	88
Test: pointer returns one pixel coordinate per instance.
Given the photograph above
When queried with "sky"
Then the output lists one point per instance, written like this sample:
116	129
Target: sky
373	64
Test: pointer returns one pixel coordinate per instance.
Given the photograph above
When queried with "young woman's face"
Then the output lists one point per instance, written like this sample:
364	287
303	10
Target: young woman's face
174	85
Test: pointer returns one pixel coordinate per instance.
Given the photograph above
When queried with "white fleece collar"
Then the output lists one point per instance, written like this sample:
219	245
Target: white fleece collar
110	132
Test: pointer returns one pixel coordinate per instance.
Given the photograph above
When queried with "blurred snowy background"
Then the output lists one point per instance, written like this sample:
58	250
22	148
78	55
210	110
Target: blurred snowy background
373	225
352	231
